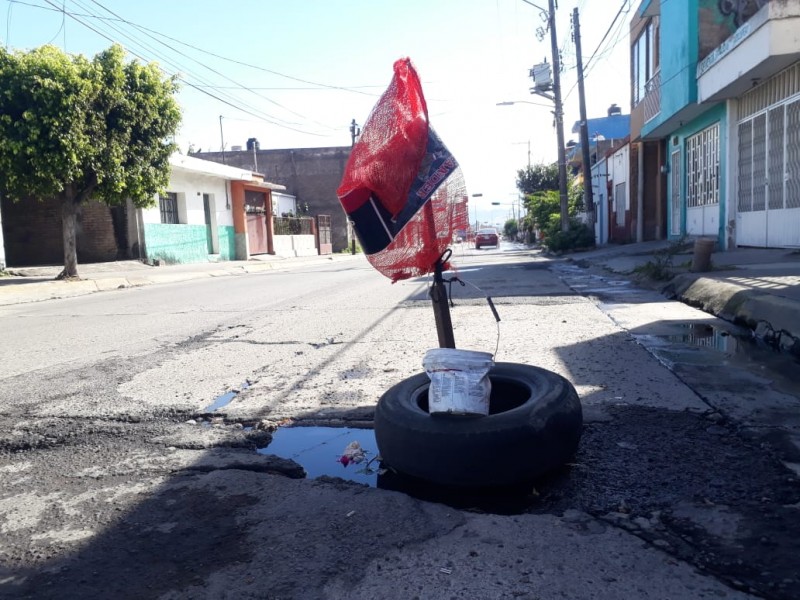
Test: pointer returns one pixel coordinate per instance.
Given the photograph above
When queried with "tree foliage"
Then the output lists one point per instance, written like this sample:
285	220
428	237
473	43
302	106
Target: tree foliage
511	228
537	178
539	183
78	129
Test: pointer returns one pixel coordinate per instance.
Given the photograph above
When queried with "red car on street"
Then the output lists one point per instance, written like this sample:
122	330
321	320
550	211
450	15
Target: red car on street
486	237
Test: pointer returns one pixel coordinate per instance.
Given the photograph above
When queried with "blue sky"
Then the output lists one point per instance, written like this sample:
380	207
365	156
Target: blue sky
294	74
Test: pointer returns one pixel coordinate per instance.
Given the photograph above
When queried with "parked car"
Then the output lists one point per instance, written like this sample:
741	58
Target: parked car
487	237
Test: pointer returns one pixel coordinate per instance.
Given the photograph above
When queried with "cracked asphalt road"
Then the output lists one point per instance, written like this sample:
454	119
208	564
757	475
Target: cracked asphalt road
111	487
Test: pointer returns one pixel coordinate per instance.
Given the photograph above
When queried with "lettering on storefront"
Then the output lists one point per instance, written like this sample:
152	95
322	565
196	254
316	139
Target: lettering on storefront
725	47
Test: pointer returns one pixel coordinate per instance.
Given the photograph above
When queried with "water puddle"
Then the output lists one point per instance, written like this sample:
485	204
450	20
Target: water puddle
319	449
708	336
731	346
224	399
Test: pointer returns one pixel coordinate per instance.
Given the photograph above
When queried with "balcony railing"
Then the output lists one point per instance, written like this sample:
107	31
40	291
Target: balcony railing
652	97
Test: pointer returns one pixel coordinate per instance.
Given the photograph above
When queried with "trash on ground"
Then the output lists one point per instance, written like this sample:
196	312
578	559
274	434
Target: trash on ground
459	381
353	453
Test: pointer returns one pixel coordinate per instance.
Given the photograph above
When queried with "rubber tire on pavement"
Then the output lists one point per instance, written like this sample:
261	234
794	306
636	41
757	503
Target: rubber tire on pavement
534	426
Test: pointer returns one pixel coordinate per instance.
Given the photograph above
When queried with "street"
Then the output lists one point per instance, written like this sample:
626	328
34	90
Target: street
130	420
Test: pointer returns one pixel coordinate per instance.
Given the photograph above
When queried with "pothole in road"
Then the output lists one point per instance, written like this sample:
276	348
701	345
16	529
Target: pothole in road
319	451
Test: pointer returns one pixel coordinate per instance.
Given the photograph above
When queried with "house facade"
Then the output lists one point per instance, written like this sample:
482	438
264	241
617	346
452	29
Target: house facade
755	73
209	212
311	175
701	122
600	195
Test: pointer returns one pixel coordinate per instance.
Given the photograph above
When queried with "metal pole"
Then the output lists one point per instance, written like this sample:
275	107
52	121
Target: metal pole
441	309
559	114
587	167
221	140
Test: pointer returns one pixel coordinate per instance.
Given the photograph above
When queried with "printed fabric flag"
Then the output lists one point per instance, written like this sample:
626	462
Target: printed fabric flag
402	189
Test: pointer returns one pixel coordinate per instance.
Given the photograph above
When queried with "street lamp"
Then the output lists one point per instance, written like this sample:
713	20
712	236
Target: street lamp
513	102
562	160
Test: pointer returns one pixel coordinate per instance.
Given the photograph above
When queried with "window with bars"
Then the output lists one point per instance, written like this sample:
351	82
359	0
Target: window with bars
702	168
168	204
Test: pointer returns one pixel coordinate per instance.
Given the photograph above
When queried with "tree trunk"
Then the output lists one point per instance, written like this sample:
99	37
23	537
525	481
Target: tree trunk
69	213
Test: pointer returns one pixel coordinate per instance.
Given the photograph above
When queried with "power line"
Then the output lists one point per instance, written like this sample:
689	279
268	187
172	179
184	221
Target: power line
353	89
216	72
244	109
225	98
589	63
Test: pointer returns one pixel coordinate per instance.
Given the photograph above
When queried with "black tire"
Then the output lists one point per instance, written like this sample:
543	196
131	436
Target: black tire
477	247
534	425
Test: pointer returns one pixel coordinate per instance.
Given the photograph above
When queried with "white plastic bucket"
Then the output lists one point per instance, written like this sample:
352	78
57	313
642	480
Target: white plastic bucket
459	381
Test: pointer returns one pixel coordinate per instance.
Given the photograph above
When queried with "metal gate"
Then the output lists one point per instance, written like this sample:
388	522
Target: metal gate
255	208
768	202
676	173
324	245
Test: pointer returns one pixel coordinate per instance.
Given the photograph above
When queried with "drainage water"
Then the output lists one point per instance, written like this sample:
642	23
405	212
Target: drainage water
729	346
318	450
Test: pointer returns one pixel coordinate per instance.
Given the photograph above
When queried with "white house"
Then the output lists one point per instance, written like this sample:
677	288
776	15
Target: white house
196	219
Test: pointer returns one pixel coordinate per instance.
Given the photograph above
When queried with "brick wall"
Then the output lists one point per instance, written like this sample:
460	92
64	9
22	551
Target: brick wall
310	174
33	233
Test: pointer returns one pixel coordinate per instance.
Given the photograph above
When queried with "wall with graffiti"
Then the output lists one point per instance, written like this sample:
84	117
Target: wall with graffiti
719	19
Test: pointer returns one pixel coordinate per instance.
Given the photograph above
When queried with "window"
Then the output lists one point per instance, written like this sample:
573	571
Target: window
644	60
702	167
169	207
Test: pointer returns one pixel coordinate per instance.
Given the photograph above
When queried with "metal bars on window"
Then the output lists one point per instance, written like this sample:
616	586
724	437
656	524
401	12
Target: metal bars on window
168	204
745	202
775	150
759	161
702	167
783	85
792	175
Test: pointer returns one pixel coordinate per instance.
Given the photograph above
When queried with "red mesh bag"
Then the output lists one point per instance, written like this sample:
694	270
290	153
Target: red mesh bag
402	189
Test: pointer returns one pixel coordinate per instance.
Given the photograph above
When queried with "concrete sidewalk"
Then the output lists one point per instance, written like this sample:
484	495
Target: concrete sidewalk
35	284
756	287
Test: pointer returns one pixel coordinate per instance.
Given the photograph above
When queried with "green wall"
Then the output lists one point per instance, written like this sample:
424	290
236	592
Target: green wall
185	243
227	243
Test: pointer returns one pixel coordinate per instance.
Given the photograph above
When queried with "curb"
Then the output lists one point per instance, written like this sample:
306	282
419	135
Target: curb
742	305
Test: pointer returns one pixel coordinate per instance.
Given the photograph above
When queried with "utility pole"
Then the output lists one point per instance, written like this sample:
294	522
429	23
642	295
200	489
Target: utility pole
559	114
221	140
588	201
355	131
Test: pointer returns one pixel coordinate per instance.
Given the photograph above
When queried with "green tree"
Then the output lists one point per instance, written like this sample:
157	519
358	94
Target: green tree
537	178
76	129
510	229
